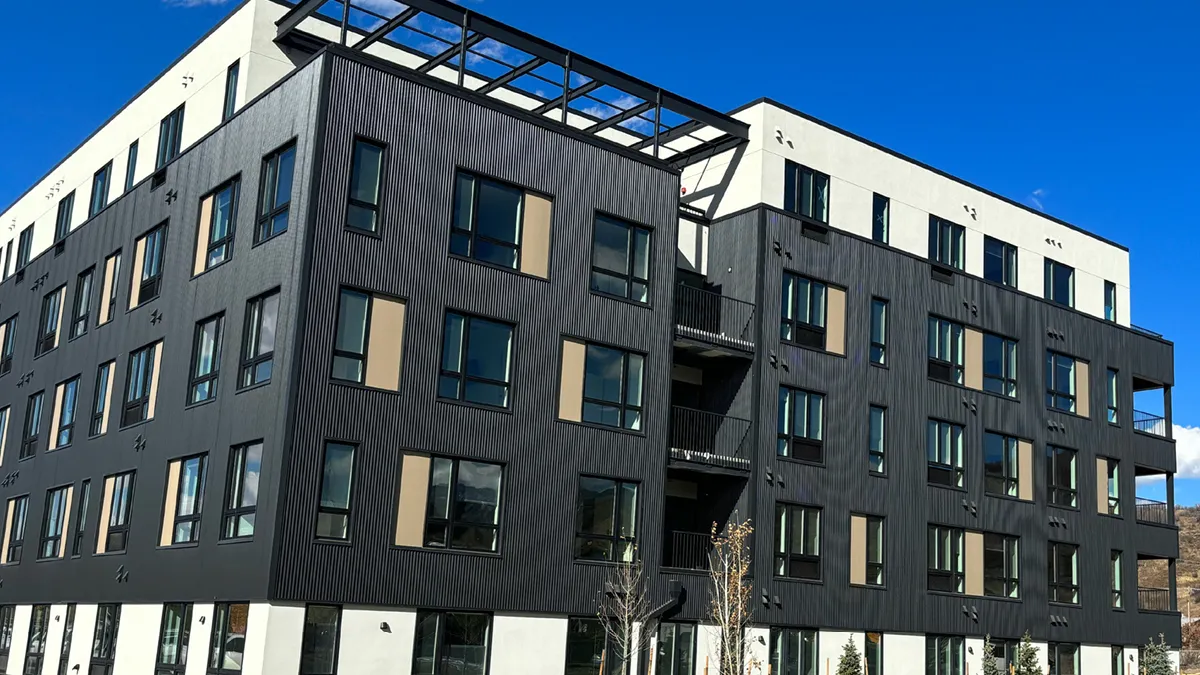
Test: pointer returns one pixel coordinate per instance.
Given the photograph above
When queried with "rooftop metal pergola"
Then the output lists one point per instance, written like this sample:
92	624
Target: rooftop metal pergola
461	46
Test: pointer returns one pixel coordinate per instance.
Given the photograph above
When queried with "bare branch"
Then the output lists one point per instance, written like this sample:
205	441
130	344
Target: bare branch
731	595
624	612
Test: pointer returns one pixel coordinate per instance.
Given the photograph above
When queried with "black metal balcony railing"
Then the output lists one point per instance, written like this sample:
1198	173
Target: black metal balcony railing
1152	511
712	317
1154	599
709	438
1149	424
1145	331
689	551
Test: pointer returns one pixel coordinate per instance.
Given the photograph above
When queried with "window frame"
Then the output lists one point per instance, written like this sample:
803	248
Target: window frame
1066	497
191	521
100	403
32	430
234	186
149	278
235	491
131	156
1110	301
66	424
953	646
946	343
64	215
81	307
795	178
878	335
449	522
305	635
212	377
338	353
180	642
787	439
376	209
1112	485
229	104
881	218
248	365
104	642
1008	378
781	655
471	234
463	377
220	636
440	633
630	276
35	645
1054	652
7	618
1056	585
616	542
1010	574
807	330
783	553
170	137
1116	582
956	468
64	652
877	468
54	518
268	194
951	569
119	518
626	411
24	247
81	509
1112	382
345	512
876	569
101	188
1010	474
49	320
8	346
140	405
113	296
1054	394
1008	257
947	243
19	507
1050	268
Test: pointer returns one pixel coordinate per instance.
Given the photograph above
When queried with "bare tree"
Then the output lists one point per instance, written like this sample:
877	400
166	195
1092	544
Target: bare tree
624	613
731	593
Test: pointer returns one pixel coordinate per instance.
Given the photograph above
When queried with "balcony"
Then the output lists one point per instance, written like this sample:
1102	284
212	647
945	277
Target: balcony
1154	600
710	439
1152	511
711	324
1148	423
688	550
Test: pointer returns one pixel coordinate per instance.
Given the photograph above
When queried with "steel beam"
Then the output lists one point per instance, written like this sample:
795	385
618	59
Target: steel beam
389	26
620	117
449	53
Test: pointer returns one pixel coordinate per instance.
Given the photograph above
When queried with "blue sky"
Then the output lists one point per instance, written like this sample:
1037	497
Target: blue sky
1087	107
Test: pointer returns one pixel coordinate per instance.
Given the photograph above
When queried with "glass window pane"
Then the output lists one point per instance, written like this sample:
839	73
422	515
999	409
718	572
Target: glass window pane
610	250
365	174
603	374
336	475
498	214
490	345
352	322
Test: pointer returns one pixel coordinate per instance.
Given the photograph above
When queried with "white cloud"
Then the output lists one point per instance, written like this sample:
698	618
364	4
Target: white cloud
623	102
1036	198
1187	451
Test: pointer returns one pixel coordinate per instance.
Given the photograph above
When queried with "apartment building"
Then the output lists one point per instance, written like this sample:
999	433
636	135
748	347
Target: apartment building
408	327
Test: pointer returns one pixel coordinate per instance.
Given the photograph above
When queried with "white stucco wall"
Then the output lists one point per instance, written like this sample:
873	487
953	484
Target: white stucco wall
275	648
81	643
536	645
199	638
20	637
366	649
903	654
830	644
137	638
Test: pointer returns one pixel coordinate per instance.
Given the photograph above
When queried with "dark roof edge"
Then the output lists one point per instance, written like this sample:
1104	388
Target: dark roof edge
923	165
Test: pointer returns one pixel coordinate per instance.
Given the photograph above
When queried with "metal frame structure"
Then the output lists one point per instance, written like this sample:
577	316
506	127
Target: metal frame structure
458	45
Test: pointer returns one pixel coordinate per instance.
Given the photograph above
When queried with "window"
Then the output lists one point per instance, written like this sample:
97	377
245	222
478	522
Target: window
350	349
947	242
945	559
605	519
275	193
1001	566
1060	283
241	496
588	644
8	259
1001	476
35	648
64	654
1113	471
450	643
170	137
68	393
1115	579
881	221
874	551
945	350
100	183
173	638
364	318
803	319
464	505
85	496
7	616
62	219
120	508
104	639
142	380
1005	653
801	425
1111	391
337	481
476	360
189	498
944	447
873	654
50	318
83	303
25	247
1060	382
798	541
1060	476
319	645
794	651
612	387
228	642
878	439
806	192
99	423
231	87
258	349
1064	573
33	425
676	648
943	655
999	262
879	308
1118	660
1063	659
108	297
18	509
9	329
206	359
218	220
621	259
148	282
1110	301
366	178
999	365
131	166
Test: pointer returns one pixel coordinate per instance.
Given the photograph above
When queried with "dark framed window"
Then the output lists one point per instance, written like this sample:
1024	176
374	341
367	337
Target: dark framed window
131	166
66	413
206	359
24	247
1115	584
1000	464
797	541
35	648
463	511
487	220
173	638
449	643
320	641
793	651
806	192
947	242
620	259
64	654
1063	658
100	188
676	652
803	311
999	262
149	278
8	344
873	653
8	259
275	193
605	519
189	499
1005	653
50	318
944	452
999	365
1061	477
64	215
100	397
1060	283
875	551
1110	301
219	210
612	387
7	617
946	559
366	185
53	522
476	360
1001	566
1113	480
241	495
1110	388
170	137
33	425
139	384
228	641
231	86
945	340
944	655
18	507
120	509
877	439
81	312
1060	382
1064	572
881	220
258	347
337	485
104	639
1118	660
879	327
801	428
350	344
112	272
588	643
81	509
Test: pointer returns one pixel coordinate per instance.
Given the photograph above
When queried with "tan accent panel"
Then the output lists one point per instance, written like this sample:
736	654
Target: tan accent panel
202	233
62	311
570	393
108	402
1102	485
1025	470
138	256
105	291
414	494
158	350
1082	389
105	512
66	528
973	358
858	550
385	344
58	396
169	501
7	532
535	236
974	563
835	321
